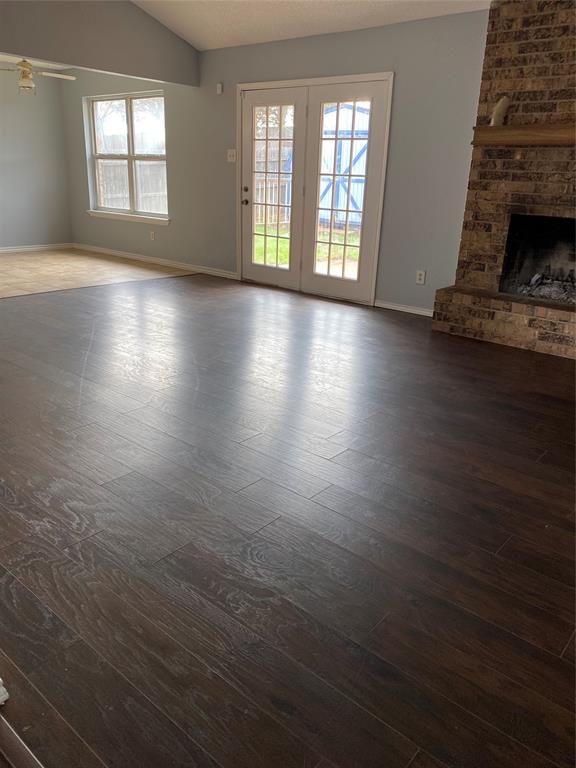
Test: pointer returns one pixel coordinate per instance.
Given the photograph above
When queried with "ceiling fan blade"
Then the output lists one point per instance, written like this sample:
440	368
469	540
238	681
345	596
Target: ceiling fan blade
55	74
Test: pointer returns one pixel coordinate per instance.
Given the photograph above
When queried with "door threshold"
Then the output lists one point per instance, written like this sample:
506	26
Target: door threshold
358	303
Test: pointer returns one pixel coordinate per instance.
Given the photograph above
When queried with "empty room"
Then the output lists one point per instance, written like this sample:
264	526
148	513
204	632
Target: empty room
287	383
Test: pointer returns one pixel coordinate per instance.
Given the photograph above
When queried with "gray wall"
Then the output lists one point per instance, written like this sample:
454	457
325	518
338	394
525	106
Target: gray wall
437	65
111	36
186	238
33	183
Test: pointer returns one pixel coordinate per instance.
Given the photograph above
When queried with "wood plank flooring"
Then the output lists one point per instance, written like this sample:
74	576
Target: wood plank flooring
245	528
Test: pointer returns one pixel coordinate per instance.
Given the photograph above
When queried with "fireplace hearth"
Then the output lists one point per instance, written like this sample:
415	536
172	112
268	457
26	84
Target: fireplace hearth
540	258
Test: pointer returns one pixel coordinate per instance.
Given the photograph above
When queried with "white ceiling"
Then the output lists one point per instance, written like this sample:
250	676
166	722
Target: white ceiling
224	23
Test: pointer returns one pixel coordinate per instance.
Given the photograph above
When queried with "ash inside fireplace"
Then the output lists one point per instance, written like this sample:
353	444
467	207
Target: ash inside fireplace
540	258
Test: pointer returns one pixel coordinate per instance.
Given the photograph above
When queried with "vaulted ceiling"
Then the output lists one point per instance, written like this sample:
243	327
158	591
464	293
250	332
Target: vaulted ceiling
210	24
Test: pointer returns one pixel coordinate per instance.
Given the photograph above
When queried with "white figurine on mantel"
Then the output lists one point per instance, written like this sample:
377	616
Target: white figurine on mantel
500	111
4	695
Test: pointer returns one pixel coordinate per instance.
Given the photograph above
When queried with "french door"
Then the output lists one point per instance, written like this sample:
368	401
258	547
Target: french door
312	186
273	149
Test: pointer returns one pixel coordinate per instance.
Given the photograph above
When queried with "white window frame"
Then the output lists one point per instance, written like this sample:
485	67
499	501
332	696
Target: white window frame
132	213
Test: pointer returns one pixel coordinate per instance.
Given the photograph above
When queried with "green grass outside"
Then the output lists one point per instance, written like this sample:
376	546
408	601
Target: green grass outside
284	246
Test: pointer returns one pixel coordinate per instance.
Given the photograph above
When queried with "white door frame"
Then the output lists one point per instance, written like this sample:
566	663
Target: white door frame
310	81
262	273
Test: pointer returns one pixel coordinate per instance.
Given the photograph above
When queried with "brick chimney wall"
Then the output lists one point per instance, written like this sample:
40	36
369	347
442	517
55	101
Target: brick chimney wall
531	58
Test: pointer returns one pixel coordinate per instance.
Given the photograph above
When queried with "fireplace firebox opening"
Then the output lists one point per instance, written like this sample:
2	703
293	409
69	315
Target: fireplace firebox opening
540	258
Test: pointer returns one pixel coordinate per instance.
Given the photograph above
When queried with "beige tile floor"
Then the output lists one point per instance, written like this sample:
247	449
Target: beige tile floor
55	270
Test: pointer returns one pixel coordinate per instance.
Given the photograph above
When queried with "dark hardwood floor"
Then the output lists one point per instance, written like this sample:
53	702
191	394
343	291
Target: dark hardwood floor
244	528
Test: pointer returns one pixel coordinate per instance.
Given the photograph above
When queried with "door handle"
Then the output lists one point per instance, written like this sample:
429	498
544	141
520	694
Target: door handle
245	202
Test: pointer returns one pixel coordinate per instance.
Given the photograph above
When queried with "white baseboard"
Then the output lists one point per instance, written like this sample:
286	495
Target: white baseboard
404	308
216	272
189	267
153	260
124	255
31	248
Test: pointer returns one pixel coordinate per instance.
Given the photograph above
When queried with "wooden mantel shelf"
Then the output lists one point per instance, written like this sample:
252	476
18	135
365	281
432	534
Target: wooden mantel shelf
543	135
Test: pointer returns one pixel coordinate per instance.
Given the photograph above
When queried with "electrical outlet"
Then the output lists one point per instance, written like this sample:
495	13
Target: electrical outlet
420	277
152	235
231	155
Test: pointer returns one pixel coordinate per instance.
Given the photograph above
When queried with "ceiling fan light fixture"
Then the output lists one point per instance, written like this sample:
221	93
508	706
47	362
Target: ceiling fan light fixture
26	83
26	74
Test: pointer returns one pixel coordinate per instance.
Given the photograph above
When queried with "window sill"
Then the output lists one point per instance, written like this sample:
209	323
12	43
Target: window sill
159	221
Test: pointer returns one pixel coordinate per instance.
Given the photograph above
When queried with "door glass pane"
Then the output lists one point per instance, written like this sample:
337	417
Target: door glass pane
341	184
338	227
148	122
329	118
271	188
345	119
288	121
258	249
273	153
259	187
283	253
272	220
272	156
284	221
260	156
286	157
111	127
323	229
343	148
353	227
361	119
285	189
357	193
327	161
321	258
259	215
336	260
325	190
341	190
150	184
351	263
260	122
359	152
271	252
112	180
273	123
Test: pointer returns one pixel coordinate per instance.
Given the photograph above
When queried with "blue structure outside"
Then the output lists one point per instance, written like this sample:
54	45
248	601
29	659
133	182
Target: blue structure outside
333	192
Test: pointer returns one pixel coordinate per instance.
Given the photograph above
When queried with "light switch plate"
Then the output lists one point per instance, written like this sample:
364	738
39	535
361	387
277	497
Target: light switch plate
231	155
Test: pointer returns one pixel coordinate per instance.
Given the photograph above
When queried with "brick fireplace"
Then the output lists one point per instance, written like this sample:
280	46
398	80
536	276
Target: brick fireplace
524	168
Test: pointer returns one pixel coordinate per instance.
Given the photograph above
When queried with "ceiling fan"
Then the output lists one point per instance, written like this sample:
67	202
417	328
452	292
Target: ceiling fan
27	72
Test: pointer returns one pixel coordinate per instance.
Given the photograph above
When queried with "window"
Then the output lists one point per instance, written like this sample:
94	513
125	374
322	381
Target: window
129	154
